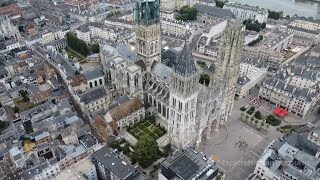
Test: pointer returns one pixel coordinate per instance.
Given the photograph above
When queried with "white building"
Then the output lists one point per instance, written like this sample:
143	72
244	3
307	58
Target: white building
83	33
252	72
175	27
245	11
207	44
291	158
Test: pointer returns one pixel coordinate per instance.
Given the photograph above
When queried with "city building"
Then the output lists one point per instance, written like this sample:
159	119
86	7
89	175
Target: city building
244	11
82	170
305	27
294	87
252	72
293	157
188	164
175	27
111	165
314	136
207	14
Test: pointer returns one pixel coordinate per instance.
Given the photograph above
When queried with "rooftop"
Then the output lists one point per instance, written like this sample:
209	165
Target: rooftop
93	94
112	161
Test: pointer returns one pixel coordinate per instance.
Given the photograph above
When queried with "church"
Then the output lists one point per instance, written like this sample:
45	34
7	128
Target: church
170	89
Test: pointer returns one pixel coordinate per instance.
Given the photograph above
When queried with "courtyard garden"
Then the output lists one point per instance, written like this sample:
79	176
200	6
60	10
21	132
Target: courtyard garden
146	127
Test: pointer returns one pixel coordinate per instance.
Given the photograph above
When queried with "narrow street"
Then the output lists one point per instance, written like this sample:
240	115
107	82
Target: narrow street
78	109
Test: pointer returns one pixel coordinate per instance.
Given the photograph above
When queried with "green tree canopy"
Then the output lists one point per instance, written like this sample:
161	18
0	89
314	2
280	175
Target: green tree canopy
146	151
204	79
77	44
254	25
187	13
275	15
95	48
220	4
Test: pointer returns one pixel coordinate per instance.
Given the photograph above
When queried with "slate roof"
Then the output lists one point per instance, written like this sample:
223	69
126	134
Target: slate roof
242	80
185	65
213	11
96	73
93	94
112	161
126	109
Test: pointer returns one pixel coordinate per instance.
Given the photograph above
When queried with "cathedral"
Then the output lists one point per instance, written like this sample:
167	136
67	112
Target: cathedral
188	109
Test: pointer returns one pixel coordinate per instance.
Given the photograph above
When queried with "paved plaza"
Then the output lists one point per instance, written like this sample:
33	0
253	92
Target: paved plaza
235	148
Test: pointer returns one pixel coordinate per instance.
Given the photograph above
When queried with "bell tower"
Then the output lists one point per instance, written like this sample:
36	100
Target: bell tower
183	100
148	32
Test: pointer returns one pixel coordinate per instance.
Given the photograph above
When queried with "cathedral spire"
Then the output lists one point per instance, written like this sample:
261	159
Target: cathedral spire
185	65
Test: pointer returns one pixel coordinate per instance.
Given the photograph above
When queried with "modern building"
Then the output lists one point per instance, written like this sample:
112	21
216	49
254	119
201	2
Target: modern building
245	11
293	157
111	165
188	164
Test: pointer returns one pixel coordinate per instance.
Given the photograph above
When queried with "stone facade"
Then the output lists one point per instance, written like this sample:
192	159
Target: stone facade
187	109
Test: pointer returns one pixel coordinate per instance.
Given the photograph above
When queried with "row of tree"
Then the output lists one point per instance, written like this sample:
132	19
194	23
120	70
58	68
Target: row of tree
187	13
254	25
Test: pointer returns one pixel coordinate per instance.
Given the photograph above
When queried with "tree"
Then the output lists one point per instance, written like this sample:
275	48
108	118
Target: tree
95	48
204	79
273	121
219	3
243	108
252	118
275	15
16	109
146	151
252	108
187	13
263	25
256	122
258	115
77	44
262	124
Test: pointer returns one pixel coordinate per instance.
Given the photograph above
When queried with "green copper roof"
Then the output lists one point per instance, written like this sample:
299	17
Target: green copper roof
147	11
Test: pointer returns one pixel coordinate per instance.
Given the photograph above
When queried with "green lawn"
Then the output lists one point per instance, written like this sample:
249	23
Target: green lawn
146	128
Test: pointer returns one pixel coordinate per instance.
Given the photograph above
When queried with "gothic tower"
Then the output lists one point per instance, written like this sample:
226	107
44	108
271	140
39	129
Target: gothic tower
183	100
148	32
228	65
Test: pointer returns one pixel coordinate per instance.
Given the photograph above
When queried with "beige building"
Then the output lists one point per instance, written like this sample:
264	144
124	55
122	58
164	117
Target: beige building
82	170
